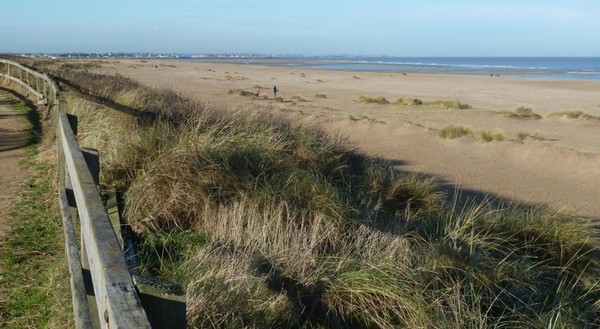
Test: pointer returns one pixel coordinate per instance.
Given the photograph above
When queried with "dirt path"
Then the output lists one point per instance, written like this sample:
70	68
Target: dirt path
14	135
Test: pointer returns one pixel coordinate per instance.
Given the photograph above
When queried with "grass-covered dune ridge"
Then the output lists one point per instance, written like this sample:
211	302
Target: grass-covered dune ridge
268	223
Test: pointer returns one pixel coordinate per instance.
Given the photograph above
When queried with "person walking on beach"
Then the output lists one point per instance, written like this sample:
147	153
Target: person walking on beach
275	90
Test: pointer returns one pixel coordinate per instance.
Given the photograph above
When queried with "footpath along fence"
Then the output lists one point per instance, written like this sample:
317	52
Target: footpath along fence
102	287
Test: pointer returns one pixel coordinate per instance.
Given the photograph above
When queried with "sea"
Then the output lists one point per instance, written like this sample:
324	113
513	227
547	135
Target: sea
563	68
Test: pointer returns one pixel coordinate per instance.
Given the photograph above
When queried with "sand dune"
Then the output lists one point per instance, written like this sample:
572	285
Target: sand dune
558	163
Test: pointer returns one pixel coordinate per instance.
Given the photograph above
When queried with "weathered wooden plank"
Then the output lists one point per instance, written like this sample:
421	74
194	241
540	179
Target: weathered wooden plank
52	87
118	303
78	291
21	67
24	84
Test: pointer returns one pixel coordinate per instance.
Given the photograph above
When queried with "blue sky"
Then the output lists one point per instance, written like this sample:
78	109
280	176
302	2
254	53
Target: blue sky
374	27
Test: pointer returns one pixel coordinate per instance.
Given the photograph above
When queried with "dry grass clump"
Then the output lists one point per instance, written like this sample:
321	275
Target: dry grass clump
522	135
451	104
408	102
81	65
240	92
575	115
298	98
522	113
320	95
260	158
490	136
464	267
452	131
373	100
272	224
282	274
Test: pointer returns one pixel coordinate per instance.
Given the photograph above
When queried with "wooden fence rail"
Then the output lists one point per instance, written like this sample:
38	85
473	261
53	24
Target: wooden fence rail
109	299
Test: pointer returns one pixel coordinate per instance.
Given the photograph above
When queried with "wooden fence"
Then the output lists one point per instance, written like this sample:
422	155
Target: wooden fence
103	291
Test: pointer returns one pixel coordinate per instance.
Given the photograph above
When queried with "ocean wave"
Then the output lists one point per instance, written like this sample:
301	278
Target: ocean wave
438	65
584	72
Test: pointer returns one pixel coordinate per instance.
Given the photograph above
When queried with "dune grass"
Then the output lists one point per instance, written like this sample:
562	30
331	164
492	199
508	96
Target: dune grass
406	101
298	98
451	104
522	135
373	100
486	136
240	92
409	101
274	224
575	115
522	113
452	131
320	95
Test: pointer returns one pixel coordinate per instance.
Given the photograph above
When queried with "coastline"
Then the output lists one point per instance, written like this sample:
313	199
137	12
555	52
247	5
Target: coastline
423	66
560	167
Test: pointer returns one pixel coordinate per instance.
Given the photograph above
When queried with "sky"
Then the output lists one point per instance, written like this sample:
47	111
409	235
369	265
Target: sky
307	27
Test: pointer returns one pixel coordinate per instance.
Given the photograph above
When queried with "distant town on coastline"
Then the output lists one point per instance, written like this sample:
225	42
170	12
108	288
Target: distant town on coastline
139	55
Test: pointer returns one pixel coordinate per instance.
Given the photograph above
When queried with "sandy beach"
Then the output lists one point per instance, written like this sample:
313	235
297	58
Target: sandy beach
552	160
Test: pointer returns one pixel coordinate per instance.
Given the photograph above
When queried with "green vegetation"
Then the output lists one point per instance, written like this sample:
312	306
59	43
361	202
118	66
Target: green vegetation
452	131
522	113
34	281
272	224
373	100
575	115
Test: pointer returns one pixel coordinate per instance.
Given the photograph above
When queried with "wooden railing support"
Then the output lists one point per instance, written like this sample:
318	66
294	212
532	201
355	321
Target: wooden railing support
117	302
